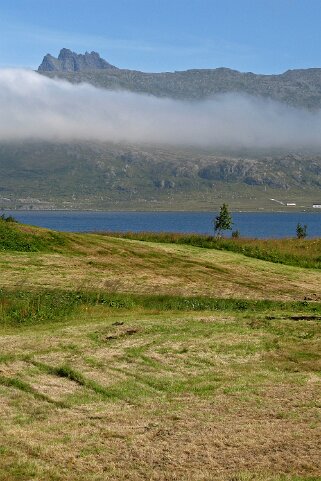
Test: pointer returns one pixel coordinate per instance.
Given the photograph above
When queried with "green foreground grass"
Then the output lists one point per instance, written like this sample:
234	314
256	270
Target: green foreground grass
112	381
112	391
20	308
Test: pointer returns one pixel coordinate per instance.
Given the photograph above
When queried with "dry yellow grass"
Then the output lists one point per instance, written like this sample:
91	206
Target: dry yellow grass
184	397
120	265
116	395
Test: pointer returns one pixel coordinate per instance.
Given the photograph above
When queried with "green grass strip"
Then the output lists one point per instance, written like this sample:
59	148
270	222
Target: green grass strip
76	376
13	237
19	308
17	383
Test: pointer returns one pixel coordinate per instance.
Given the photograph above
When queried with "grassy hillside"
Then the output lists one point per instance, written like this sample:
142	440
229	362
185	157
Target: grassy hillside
123	359
36	257
294	252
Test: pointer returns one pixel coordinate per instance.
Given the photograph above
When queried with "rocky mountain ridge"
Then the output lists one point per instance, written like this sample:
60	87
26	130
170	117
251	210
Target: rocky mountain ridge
98	175
69	61
298	88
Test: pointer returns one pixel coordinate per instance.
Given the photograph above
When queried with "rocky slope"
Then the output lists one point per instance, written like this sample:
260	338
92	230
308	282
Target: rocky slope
110	176
69	61
299	88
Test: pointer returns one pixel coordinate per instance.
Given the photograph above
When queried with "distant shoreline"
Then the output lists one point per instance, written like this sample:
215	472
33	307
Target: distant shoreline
276	224
138	211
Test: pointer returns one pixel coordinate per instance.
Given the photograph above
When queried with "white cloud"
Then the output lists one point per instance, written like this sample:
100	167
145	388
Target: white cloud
35	107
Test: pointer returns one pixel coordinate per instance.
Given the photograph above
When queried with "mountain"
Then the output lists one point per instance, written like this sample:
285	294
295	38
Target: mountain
101	175
299	88
69	61
93	175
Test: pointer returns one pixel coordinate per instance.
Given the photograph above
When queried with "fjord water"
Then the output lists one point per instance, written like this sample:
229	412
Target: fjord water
250	224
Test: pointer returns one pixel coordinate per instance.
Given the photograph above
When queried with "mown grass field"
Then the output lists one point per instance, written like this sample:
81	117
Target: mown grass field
291	251
129	360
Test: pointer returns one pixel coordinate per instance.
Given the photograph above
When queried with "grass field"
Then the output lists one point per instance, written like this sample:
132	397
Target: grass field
291	251
129	360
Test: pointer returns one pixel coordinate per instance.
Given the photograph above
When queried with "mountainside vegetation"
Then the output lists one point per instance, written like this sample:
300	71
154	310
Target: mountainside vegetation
93	175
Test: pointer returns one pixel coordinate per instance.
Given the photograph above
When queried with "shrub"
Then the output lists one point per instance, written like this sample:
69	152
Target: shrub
7	218
223	221
301	231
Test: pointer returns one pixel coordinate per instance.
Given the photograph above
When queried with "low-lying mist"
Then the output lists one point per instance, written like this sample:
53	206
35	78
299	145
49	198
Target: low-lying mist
36	107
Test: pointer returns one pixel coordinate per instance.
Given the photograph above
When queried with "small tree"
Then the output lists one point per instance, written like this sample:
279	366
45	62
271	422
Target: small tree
223	221
7	218
301	231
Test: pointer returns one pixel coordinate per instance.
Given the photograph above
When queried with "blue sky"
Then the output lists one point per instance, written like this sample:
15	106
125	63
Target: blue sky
262	36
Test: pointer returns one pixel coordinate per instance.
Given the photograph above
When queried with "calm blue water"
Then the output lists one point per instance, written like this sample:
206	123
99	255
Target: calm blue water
250	224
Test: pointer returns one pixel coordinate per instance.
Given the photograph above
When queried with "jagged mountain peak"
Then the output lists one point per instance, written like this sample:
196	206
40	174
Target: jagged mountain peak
299	88
69	61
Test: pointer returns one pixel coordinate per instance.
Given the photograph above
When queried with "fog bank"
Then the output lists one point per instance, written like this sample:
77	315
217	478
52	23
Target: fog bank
35	107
